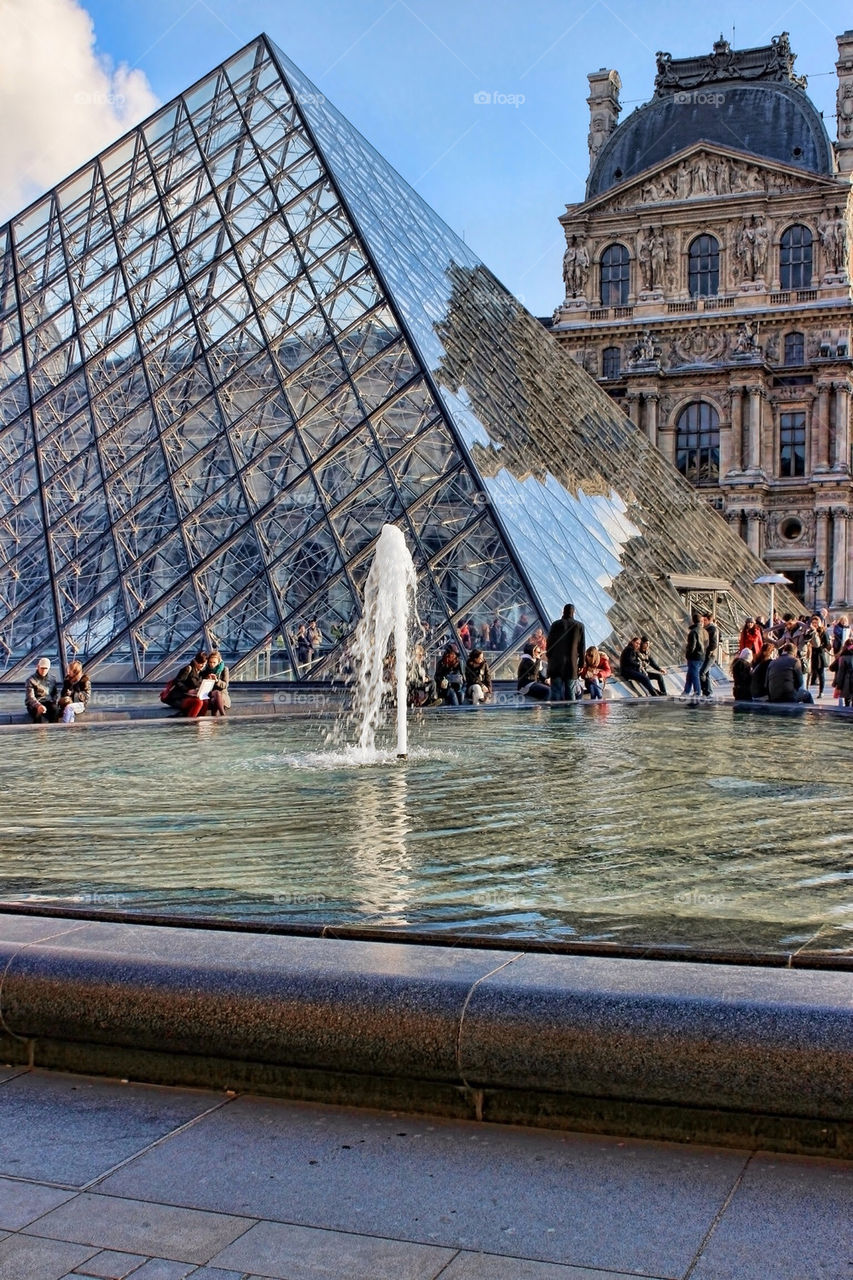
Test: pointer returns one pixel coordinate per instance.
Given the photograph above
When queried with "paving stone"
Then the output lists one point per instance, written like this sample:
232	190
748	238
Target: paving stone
161	1269
24	1258
550	1196
303	1253
490	1266
22	1202
183	1235
790	1218
216	1273
78	1127
110	1265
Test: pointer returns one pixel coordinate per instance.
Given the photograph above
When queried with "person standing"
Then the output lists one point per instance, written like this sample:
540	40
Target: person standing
694	653
712	642
40	695
565	648
843	681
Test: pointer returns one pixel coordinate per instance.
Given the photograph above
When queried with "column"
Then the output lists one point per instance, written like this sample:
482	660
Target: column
754	429
821	552
820	430
736	445
652	399
754	521
840	556
841	452
632	407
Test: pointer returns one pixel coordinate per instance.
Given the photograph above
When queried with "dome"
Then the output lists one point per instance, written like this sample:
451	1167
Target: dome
747	101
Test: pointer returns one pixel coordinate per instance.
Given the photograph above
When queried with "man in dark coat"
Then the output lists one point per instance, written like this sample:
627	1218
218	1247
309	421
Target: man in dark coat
565	648
712	643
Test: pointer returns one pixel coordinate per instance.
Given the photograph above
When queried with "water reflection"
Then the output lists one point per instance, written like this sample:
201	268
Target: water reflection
604	821
379	848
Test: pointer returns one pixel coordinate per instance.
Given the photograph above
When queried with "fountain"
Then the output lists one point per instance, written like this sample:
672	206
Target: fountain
389	597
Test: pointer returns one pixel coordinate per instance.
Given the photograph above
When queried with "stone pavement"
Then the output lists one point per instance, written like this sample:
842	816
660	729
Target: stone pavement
104	1179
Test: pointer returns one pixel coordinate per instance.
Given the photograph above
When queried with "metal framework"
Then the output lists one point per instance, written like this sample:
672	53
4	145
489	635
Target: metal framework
232	347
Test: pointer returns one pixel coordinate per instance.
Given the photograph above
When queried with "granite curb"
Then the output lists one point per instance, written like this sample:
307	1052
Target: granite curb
755	1057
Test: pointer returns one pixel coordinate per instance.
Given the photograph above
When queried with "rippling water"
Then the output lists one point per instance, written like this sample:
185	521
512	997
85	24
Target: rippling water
624	823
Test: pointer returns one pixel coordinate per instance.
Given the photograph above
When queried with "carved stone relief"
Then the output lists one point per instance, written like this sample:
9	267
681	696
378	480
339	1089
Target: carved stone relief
706	174
776	520
699	345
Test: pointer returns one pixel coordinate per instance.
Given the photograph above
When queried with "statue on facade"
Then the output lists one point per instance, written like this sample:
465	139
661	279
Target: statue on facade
745	343
644	349
751	244
575	268
833	238
653	255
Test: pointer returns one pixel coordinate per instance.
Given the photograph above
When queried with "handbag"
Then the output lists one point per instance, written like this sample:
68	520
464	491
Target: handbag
165	692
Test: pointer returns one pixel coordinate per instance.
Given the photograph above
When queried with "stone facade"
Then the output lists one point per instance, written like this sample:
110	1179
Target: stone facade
720	277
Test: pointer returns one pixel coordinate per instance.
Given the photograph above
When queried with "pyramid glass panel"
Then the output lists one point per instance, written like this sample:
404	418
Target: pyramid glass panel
233	346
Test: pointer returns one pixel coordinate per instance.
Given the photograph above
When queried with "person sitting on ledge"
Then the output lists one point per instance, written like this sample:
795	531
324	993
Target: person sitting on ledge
651	668
219	699
785	677
595	672
448	677
40	695
530	681
421	687
183	695
631	668
478	679
742	676
76	691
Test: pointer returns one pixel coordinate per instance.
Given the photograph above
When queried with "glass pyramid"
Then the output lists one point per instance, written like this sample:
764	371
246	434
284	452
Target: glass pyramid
237	343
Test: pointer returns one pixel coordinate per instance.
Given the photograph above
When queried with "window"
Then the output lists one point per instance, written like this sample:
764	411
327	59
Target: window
611	362
703	267
795	258
795	348
792	444
697	443
615	276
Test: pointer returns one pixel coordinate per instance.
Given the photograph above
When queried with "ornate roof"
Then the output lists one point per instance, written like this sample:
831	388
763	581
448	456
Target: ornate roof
748	99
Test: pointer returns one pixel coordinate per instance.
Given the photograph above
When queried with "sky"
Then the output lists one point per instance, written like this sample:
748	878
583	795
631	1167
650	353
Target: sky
410	74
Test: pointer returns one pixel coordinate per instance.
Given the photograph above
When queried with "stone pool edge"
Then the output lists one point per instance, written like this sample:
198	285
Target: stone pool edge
724	1054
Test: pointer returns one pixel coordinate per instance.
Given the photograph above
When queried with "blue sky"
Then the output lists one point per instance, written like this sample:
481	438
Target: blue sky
406	72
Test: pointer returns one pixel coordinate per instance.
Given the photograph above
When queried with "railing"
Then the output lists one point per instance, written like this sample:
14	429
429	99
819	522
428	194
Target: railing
719	304
780	299
603	313
620	312
806	295
679	306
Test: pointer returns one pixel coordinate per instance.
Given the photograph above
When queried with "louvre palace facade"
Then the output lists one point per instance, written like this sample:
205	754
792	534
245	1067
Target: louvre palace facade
233	346
707	288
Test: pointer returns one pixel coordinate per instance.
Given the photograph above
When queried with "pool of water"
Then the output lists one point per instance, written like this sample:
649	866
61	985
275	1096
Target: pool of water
629	824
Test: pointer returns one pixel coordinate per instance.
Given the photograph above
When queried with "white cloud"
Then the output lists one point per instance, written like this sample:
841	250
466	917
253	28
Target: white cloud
60	101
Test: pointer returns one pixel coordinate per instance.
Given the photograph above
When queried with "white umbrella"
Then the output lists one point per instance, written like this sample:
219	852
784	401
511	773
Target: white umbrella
772	580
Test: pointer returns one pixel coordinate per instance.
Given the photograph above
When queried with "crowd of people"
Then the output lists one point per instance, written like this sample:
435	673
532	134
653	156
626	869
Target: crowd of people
783	659
779	660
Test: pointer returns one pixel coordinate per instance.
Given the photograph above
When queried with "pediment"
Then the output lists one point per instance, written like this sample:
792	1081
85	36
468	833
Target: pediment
704	171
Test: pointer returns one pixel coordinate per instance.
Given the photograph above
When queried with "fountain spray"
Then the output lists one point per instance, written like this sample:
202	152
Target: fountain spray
389	596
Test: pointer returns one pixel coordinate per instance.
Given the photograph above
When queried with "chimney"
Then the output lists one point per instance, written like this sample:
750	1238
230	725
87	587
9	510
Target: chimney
604	108
844	99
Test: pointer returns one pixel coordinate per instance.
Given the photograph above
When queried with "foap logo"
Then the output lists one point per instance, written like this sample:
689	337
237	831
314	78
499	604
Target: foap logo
83	99
310	99
495	99
700	98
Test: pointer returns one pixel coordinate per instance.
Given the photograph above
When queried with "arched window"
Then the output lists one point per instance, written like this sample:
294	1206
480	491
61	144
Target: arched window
611	362
615	276
697	443
795	258
795	348
703	267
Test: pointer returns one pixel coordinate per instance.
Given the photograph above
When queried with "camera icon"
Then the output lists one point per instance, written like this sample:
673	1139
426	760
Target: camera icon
682	98
482	99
